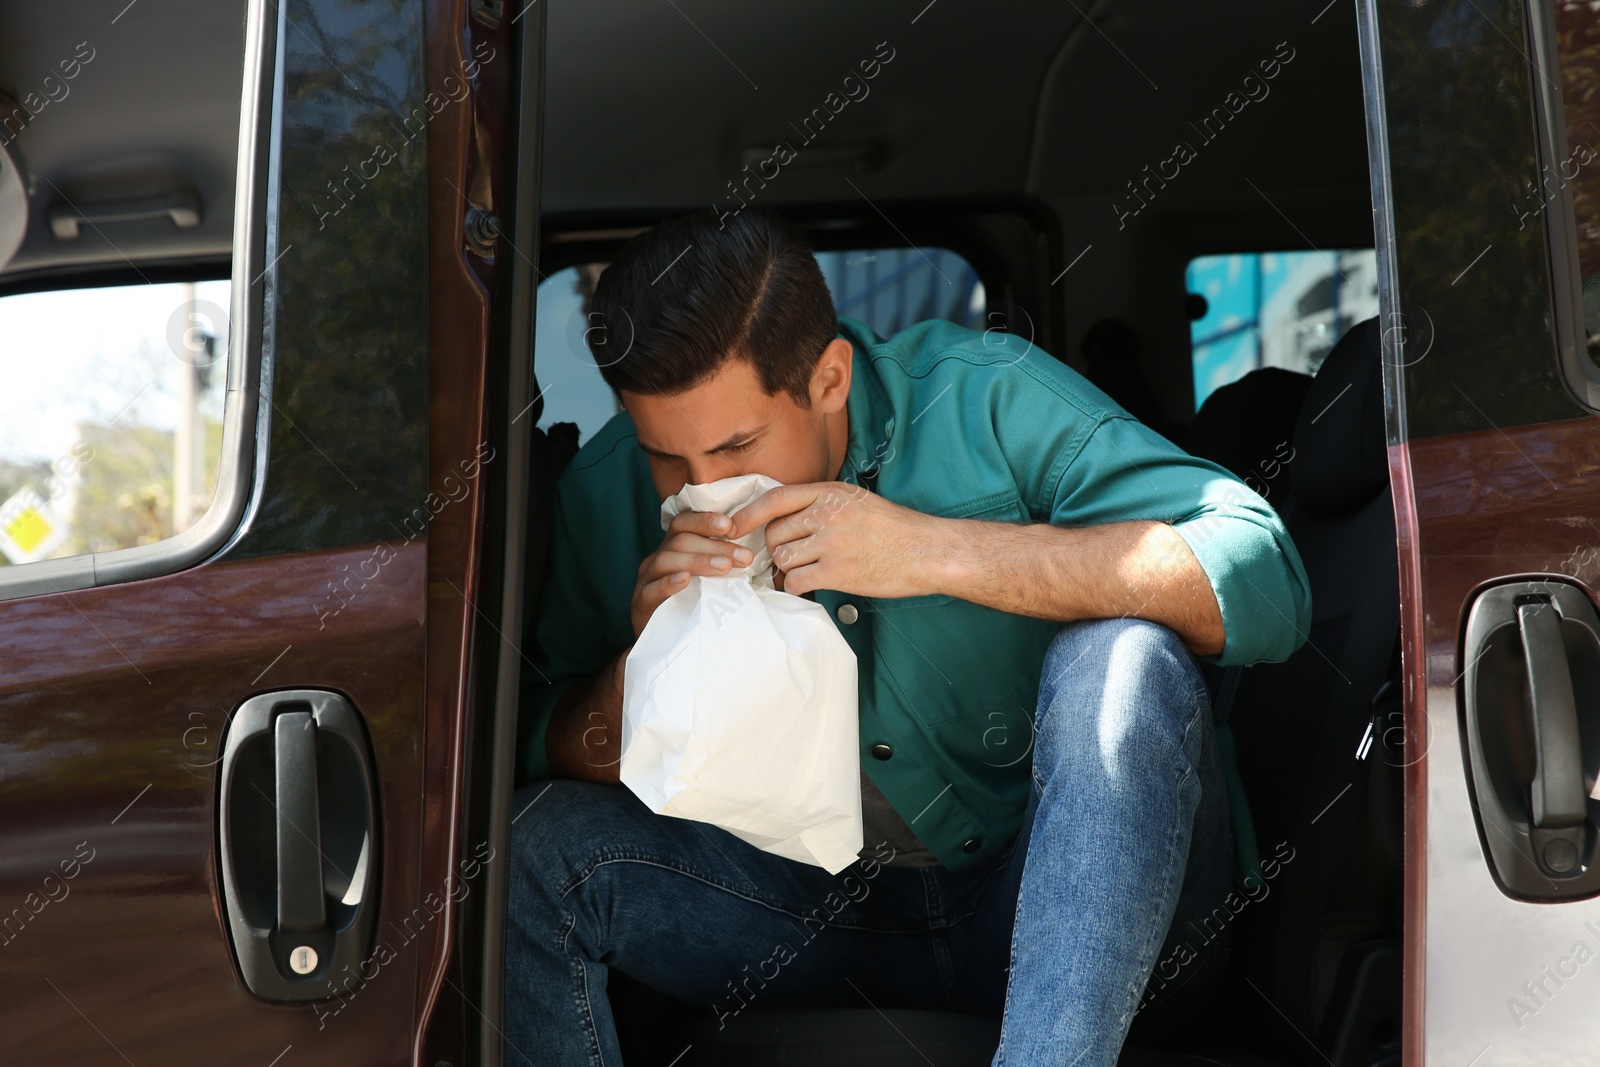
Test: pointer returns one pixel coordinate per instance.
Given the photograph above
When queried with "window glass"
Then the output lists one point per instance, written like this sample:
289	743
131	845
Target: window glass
892	288
1275	309
569	379
119	156
887	288
111	418
1577	30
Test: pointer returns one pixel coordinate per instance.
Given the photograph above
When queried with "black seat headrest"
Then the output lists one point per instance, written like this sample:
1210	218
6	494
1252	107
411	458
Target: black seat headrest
1246	425
1340	458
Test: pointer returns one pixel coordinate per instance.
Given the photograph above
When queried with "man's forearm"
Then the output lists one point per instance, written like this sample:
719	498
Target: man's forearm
1144	570
584	739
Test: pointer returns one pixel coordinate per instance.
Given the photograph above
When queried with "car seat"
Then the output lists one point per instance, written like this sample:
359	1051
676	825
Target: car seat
1248	427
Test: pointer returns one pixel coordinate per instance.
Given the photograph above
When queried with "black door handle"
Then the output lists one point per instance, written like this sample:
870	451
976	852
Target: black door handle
1532	708
297	841
299	831
1559	800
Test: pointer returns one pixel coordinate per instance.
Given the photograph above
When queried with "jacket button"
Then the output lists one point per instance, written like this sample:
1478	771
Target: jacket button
881	751
972	845
848	614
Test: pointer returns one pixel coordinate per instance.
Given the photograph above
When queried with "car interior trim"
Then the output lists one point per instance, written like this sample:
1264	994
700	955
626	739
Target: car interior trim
1389	311
515	353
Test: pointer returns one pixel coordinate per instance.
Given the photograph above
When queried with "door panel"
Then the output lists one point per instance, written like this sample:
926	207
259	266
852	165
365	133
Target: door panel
1483	512
1494	464
114	703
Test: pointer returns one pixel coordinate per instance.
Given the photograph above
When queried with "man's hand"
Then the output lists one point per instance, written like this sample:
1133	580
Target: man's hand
830	535
692	546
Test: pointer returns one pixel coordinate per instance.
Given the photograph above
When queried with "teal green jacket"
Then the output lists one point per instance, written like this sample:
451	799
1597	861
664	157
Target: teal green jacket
957	423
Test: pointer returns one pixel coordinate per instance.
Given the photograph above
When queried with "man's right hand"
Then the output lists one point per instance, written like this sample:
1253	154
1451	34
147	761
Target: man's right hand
692	546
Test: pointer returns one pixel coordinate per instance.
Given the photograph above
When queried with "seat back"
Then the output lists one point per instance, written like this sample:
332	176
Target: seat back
1326	903
1248	427
549	453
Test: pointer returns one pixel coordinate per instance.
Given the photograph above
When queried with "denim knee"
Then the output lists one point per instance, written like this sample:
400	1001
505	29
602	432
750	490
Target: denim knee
1146	653
557	829
1111	688
1088	640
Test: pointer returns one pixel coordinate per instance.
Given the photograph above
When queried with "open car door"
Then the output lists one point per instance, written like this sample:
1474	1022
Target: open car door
1484	127
230	758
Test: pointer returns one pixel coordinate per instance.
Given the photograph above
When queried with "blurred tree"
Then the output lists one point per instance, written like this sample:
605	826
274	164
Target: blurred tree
1578	49
1474	286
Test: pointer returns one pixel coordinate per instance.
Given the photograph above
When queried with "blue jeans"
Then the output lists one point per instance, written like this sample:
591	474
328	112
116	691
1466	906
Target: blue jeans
1100	910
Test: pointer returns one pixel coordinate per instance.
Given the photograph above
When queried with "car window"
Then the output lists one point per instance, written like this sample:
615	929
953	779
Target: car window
569	379
887	288
111	419
1275	309
1576	166
892	288
119	183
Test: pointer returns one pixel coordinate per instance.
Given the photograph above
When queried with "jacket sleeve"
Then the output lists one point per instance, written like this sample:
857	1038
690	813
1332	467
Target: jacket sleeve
1083	461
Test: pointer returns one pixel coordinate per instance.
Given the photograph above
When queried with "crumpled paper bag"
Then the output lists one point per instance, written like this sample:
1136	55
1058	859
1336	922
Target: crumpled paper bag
739	705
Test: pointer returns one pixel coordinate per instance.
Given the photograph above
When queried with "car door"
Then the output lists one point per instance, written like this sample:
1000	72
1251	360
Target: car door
1481	118
230	757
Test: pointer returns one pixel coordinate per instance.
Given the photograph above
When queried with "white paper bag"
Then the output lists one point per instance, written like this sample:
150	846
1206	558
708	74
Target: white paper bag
739	705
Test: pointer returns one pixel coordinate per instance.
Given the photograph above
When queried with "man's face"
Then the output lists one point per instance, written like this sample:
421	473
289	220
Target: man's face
728	425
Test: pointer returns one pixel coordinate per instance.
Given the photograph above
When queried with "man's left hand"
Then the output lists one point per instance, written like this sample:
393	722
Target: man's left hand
831	535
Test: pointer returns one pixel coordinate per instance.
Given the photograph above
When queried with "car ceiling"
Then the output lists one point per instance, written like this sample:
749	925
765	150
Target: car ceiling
651	105
154	111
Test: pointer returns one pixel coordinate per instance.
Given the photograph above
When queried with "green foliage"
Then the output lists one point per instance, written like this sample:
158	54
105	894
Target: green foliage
1474	281
1578	46
13	476
124	484
349	409
125	496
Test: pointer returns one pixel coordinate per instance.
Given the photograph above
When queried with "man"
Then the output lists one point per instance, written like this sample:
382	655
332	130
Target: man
993	537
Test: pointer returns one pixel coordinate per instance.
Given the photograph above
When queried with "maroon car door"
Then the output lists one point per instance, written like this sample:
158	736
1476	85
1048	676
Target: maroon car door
229	758
1483	131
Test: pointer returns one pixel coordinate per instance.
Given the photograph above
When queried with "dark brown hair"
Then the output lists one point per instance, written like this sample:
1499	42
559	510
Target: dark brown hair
690	293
